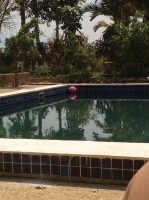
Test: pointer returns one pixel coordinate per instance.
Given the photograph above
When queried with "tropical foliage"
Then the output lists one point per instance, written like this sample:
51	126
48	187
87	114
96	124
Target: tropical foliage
124	42
130	48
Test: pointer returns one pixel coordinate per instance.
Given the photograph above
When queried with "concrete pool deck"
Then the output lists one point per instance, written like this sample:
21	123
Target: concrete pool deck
26	88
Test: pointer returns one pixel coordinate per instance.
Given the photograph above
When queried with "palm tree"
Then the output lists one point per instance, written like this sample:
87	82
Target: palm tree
51	11
5	17
34	13
118	11
21	6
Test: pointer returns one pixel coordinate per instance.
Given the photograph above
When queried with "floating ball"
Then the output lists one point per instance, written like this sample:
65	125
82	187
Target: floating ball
73	96
72	90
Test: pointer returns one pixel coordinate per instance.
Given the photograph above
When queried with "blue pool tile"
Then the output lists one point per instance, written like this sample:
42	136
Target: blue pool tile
55	170
85	172
45	159
85	162
26	168
45	169
1	167
106	174
116	163
7	157
17	158
106	163
75	161
35	169
128	164
8	167
1	157
17	168
96	173
127	175
65	171
35	159
65	160
95	162
75	171
117	174
55	160
26	158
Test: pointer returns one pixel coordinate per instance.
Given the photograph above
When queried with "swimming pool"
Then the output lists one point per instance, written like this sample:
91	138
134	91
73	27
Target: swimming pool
116	120
98	113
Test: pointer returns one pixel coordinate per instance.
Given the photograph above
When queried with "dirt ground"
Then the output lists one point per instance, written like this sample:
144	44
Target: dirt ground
22	189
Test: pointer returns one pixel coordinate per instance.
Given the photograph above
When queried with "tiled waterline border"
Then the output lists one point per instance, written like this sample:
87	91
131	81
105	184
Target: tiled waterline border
72	166
123	91
83	169
28	98
41	94
95	162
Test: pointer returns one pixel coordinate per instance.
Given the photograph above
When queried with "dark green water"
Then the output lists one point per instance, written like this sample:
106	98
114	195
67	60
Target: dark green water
97	120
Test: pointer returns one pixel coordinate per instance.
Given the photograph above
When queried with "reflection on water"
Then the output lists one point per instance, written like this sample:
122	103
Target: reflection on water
99	120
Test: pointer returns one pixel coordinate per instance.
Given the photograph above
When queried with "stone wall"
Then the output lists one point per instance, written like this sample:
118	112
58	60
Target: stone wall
90	80
8	80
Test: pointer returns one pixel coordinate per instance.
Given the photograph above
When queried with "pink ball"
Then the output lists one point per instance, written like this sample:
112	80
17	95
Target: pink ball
73	96
72	90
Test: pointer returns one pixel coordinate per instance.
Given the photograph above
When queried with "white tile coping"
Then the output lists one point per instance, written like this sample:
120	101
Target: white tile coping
77	148
23	91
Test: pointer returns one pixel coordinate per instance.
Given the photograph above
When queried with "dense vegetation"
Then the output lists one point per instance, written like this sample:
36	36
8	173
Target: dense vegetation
123	50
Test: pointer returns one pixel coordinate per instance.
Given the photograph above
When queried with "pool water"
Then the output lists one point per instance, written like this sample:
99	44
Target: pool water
84	119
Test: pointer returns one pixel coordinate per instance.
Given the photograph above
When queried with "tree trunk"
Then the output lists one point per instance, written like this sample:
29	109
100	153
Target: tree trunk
36	13
22	13
16	70
37	33
57	30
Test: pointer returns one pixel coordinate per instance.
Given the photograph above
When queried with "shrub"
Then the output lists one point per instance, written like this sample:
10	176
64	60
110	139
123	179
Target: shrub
130	46
79	53
41	70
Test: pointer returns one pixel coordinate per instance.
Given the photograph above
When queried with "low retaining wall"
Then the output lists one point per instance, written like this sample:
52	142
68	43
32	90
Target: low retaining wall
8	80
90	80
